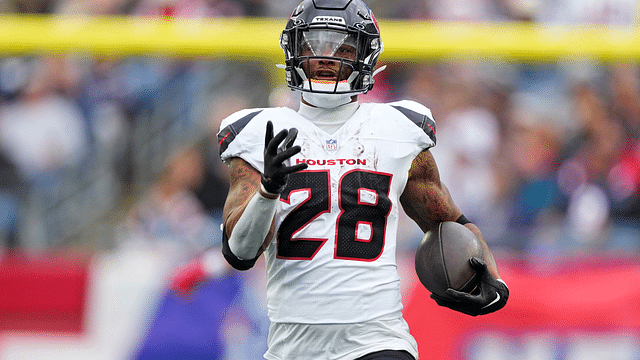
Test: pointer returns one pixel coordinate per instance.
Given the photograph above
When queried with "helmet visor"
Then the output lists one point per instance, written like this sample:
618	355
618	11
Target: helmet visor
329	43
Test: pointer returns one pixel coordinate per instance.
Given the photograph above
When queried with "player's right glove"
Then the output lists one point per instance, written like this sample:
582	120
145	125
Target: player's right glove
275	174
492	294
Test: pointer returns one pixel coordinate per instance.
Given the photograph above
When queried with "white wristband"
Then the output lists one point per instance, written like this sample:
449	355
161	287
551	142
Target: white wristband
267	194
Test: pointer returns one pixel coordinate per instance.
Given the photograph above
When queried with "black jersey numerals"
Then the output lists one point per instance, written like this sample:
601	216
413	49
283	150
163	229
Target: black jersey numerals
365	206
315	185
363	199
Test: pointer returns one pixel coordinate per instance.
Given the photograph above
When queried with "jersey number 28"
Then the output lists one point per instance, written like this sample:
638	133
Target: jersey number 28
363	199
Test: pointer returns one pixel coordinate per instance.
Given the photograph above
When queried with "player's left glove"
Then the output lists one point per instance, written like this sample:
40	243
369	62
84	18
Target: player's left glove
492	294
278	149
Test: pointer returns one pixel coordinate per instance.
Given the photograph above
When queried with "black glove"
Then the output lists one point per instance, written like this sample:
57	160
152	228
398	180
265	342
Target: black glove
491	294
275	174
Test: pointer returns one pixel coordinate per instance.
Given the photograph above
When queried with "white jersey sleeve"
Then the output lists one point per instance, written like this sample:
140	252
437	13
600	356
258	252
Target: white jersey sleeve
420	115
249	145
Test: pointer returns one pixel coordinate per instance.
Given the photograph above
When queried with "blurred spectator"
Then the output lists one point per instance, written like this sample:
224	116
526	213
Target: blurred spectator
613	12
169	218
42	130
212	191
424	84
623	183
467	10
402	9
28	6
199	8
582	176
468	140
93	7
535	199
15	74
623	179
279	8
520	10
221	319
104	107
12	198
624	88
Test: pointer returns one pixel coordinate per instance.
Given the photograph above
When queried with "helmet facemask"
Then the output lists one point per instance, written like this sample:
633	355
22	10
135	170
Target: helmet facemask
346	40
326	64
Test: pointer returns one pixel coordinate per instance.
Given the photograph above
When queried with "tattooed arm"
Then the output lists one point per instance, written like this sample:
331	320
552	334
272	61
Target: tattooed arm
251	205
427	201
244	185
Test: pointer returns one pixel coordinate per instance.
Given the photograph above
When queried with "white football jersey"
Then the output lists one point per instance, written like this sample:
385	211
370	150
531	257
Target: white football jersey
333	256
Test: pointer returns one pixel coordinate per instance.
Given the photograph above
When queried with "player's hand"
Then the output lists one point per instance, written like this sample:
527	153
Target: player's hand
491	294
188	278
277	149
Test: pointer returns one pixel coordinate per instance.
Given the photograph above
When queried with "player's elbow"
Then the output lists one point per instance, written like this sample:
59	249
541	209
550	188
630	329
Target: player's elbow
233	260
237	263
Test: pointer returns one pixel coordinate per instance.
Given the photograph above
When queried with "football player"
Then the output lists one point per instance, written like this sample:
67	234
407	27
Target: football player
320	198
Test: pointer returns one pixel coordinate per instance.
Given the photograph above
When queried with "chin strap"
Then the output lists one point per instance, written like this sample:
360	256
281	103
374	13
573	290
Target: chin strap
326	100
323	100
378	70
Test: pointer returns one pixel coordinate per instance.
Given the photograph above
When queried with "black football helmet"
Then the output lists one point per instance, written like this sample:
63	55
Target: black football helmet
322	29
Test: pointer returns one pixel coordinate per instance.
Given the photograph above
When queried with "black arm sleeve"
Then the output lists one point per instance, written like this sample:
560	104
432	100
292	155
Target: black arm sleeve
463	220
233	260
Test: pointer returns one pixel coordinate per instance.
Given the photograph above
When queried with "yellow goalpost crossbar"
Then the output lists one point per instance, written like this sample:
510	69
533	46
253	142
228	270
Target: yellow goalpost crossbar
251	38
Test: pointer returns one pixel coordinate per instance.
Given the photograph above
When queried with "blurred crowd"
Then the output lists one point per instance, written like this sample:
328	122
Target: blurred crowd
618	12
98	152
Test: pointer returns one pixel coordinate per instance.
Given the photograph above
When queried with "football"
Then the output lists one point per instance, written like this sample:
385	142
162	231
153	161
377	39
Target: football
442	258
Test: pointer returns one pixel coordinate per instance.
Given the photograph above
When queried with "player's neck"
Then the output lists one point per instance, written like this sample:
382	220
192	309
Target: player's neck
354	99
329	120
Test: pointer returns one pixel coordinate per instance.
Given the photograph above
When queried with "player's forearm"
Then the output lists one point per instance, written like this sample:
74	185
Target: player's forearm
249	228
244	212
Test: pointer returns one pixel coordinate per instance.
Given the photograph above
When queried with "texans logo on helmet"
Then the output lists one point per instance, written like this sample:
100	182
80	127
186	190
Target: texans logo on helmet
373	18
298	10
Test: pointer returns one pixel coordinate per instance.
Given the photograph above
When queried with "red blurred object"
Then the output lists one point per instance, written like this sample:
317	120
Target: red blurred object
168	12
45	293
592	297
188	277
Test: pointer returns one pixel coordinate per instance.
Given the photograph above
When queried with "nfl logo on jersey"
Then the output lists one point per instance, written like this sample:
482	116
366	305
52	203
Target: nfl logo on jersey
332	145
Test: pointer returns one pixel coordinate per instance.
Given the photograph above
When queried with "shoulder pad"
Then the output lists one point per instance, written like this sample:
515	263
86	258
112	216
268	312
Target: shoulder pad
228	133
423	120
